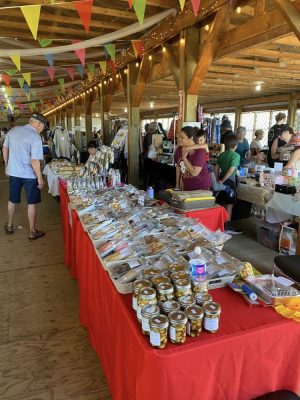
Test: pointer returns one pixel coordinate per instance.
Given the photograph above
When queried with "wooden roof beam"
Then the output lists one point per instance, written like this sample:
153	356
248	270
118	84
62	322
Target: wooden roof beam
141	81
261	64
291	12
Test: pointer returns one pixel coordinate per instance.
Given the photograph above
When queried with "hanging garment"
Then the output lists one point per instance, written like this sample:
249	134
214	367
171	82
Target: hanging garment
61	141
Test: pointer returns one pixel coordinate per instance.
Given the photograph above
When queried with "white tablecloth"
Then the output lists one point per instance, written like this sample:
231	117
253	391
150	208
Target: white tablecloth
281	207
52	180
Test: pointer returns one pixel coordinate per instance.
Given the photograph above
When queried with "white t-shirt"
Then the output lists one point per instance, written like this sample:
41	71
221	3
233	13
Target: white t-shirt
24	144
256	144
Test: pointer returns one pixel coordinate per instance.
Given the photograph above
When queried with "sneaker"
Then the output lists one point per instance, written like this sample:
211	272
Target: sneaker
231	230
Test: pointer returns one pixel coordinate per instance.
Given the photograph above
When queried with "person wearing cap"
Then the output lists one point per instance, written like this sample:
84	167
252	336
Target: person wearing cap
283	146
22	153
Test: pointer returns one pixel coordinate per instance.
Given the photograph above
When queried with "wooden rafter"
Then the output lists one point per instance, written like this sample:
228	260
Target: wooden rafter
173	63
291	12
141	81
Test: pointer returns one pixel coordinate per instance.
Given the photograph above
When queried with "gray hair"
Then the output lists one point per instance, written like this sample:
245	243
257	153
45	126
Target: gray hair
240	129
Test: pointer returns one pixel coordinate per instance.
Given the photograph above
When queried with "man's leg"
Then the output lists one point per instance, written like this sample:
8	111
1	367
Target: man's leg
32	217
11	208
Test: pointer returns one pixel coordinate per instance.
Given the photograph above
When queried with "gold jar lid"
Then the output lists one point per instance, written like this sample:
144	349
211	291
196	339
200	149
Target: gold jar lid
179	275
211	308
165	288
139	284
150	310
194	312
151	272
176	267
170	305
186	301
147	293
159	321
177	318
183	284
156	280
202	298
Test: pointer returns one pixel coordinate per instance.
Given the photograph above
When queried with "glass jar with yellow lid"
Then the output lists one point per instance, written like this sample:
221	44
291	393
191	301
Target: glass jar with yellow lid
165	291
183	287
159	331
176	276
145	296
177	328
212	313
148	311
169	306
137	285
156	280
186	301
149	273
176	267
195	317
202	298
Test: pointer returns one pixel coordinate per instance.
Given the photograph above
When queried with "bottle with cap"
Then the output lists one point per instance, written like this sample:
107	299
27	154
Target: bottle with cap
198	265
150	193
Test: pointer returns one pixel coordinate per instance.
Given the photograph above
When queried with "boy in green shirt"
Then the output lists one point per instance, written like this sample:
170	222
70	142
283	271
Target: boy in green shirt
225	172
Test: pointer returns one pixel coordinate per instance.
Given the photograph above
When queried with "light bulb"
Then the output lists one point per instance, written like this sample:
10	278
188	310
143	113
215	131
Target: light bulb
258	87
238	10
206	28
150	58
164	49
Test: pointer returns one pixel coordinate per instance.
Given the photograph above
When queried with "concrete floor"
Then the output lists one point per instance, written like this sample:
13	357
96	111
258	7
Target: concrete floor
44	353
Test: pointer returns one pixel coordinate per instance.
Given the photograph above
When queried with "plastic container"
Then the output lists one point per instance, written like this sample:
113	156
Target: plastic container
268	234
198	265
150	193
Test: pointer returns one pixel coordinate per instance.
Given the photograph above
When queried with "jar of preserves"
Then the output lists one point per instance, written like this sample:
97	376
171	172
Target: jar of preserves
160	279
137	285
212	313
202	298
169	306
199	286
176	267
195	316
149	273
177	328
176	276
148	311
183	287
159	331
146	296
186	301
165	291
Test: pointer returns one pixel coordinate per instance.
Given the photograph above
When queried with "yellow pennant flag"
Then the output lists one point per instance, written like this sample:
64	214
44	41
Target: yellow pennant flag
27	77
182	3
32	16
103	66
28	96
17	61
8	91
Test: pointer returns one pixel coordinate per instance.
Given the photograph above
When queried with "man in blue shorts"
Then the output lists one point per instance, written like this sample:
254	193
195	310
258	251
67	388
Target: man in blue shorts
22	152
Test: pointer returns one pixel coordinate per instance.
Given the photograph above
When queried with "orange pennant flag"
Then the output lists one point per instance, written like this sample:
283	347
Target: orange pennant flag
84	9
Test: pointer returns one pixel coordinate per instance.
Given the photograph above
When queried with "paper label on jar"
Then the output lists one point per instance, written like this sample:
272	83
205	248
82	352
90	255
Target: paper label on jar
134	303
154	338
188	328
172	333
145	324
211	324
139	312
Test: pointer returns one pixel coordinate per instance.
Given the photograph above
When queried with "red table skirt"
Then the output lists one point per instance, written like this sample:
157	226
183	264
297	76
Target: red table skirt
255	351
213	218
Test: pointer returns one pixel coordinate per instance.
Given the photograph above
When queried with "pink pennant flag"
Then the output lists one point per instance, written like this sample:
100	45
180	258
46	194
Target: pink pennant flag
70	71
51	72
80	53
196	5
21	106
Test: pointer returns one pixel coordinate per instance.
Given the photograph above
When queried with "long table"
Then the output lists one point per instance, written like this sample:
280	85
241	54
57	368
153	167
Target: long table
255	351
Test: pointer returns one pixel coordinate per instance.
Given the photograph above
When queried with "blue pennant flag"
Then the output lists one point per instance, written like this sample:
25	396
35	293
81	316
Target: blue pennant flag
50	59
80	69
26	88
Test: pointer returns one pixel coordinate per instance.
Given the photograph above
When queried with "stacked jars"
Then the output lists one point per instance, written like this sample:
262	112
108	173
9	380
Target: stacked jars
202	298
148	311
186	301
195	317
165	291
183	287
137	285
199	286
177	329
159	331
146	296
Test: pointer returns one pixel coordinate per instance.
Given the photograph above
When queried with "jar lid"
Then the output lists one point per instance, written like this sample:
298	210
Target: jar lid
156	280
203	297
176	267
165	288
159	321
151	272
170	305
182	283
194	312
180	275
185	301
178	317
147	293
198	281
211	308
141	283
149	310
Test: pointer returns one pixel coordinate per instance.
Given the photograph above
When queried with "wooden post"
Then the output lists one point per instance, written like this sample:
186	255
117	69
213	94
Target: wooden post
105	123
88	117
69	109
77	104
292	110
238	118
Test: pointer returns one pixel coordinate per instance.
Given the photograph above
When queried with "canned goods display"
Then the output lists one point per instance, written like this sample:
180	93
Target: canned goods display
202	298
137	285
177	328
195	317
212	313
148	311
165	291
145	296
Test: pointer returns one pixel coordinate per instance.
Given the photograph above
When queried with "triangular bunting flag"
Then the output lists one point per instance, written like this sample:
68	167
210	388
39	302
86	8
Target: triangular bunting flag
138	47
111	50
80	69
70	71
33	106
8	91
6	79
50	59
32	16
103	66
84	9
26	88
62	84
91	68
21	82
90	76
81	55
130	3
51	72
11	72
41	83
17	61
45	42
196	5
139	8
112	66
21	106
27	77
182	3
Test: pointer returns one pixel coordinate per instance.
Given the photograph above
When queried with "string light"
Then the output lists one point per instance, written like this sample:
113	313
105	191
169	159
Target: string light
164	49
150	58
182	41
258	86
111	79
137	64
125	109
104	82
238	10
125	71
151	104
206	28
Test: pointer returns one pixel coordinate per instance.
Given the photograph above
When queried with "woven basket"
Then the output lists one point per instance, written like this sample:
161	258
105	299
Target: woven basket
123	288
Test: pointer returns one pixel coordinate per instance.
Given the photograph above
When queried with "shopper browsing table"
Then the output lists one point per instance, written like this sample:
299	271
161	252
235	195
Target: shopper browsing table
191	165
22	152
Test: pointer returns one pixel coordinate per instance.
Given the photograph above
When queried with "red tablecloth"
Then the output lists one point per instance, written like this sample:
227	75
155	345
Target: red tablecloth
255	351
213	218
